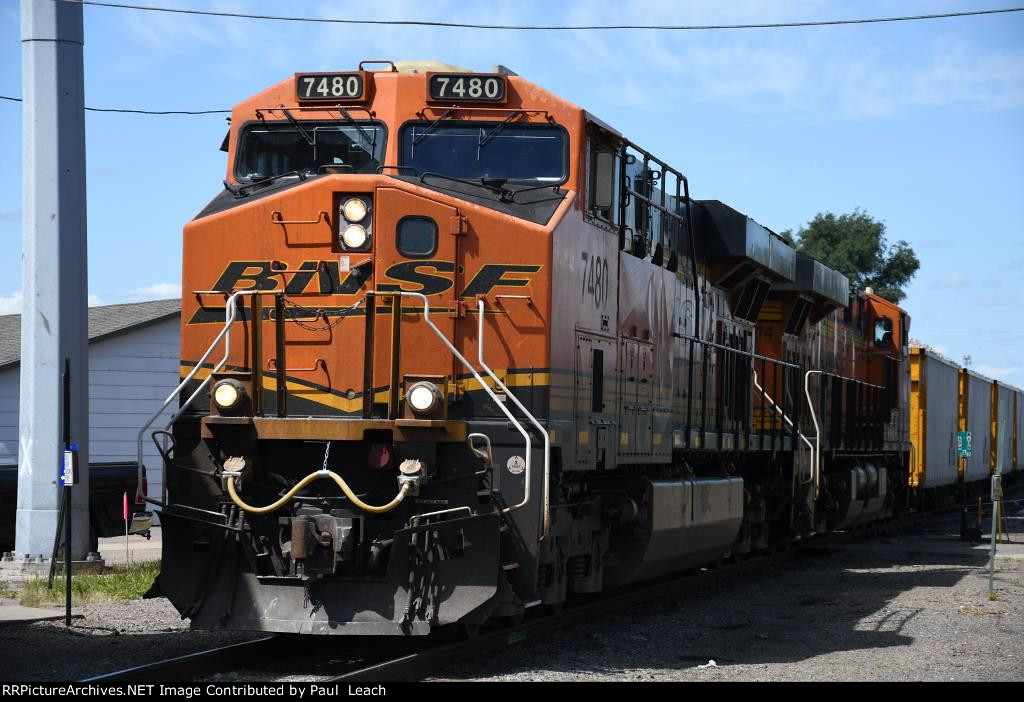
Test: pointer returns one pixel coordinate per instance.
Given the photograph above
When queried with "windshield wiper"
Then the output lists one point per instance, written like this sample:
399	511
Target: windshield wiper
295	123
495	185
485	139
372	141
431	127
554	187
263	182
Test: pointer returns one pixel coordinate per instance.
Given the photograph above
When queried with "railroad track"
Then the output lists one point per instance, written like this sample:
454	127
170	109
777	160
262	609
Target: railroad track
380	659
427	661
193	665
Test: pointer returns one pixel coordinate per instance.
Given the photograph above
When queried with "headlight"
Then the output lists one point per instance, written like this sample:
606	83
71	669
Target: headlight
228	394
354	210
424	397
354	236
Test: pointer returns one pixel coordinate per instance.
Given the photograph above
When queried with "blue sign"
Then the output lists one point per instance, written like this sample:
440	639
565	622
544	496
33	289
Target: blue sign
69	467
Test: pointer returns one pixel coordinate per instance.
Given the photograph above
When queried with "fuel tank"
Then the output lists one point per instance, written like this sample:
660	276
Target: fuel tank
682	524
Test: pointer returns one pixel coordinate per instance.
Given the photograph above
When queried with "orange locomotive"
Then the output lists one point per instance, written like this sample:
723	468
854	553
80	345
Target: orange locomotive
453	348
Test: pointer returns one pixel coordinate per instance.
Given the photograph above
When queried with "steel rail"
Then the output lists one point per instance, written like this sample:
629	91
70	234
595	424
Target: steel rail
416	663
190	665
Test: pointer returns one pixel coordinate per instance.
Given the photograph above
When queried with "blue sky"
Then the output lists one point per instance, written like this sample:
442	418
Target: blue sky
920	124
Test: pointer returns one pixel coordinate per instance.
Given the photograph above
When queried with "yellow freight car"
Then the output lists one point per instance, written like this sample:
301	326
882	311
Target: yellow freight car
976	418
946	399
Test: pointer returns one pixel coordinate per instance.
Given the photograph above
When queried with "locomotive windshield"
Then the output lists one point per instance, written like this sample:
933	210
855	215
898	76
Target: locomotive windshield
491	150
272	149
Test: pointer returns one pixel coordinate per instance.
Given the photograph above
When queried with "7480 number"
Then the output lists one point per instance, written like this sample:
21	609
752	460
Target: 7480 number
595	280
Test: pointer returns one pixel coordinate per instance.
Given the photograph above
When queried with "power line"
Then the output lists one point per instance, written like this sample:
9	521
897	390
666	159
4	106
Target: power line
511	27
139	112
548	27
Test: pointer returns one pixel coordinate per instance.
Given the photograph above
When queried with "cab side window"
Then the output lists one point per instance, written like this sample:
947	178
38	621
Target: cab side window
883	332
602	178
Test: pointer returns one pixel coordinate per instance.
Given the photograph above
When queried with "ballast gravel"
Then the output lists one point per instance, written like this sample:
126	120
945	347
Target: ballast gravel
913	606
106	637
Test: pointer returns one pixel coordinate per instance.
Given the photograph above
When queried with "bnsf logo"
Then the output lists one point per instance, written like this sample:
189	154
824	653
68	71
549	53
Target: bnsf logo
426	277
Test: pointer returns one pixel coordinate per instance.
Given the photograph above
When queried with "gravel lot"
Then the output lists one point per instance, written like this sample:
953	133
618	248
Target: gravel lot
109	637
910	607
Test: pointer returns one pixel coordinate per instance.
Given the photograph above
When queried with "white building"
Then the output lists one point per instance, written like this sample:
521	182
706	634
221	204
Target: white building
134	352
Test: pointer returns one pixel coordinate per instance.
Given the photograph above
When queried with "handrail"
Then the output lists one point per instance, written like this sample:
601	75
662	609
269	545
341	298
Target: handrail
544	432
276	218
788	421
741	352
231	310
487	389
815	466
779	410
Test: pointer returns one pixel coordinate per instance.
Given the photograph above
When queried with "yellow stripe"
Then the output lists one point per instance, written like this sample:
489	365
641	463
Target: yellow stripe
344	404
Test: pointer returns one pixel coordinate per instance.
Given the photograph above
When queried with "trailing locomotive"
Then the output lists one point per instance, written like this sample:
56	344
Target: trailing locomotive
452	348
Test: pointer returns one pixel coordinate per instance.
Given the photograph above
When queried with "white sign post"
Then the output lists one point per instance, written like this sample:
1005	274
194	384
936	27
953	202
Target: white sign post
997	498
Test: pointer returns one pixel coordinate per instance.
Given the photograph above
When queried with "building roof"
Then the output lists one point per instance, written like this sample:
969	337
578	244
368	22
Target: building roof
104	322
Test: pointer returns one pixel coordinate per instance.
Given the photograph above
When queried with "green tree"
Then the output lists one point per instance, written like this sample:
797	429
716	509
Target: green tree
855	245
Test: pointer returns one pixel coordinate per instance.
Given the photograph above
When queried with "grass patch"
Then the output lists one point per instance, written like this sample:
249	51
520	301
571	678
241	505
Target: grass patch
118	584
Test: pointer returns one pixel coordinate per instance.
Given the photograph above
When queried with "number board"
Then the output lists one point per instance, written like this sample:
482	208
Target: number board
330	86
467	87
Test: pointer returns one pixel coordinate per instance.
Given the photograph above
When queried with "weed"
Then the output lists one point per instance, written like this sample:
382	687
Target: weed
119	583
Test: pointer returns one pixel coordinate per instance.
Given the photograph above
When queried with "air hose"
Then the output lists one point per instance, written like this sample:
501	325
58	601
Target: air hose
406	487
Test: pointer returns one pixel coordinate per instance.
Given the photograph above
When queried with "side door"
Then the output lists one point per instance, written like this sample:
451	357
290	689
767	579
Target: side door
595	405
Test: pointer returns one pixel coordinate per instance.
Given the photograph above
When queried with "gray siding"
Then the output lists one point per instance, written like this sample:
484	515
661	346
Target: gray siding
9	416
129	376
941	415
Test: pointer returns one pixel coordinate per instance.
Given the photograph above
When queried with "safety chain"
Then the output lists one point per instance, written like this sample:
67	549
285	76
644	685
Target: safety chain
327	453
309	597
307	311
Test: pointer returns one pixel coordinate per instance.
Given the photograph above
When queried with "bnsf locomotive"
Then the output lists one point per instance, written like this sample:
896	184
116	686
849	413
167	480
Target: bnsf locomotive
452	348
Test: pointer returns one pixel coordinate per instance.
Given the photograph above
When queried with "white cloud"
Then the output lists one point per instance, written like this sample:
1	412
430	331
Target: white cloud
10	304
954	280
805	73
815	74
997	372
1004	300
156	291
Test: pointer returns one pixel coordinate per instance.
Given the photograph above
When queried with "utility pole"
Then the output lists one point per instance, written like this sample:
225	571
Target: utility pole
54	319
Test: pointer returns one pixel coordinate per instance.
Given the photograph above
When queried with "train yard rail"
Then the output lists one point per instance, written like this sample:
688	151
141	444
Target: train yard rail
384	659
